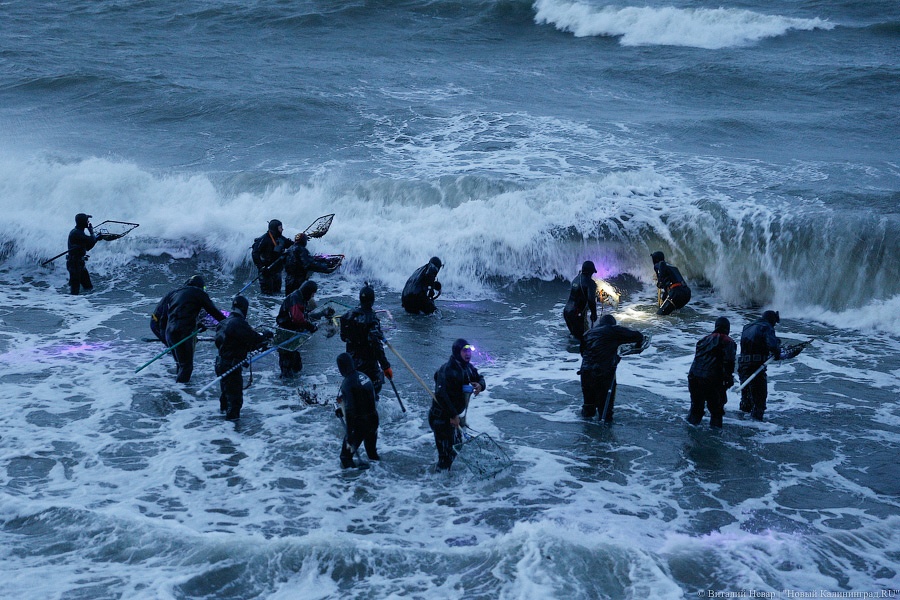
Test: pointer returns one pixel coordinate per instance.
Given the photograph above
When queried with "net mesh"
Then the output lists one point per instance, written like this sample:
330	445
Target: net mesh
482	455
283	335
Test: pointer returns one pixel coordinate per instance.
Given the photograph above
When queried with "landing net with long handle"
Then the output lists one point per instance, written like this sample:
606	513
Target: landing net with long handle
481	454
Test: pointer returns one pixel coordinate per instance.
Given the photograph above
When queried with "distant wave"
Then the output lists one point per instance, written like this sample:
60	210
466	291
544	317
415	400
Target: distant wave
670	26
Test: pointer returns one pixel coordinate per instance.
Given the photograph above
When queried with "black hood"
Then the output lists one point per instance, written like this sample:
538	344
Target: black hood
458	345
772	317
436	262
274	224
607	320
588	268
723	325
240	304
345	364
82	220
196	281
308	289
657	257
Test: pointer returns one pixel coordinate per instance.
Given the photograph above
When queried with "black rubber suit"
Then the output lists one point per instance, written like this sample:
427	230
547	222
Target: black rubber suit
422	288
268	256
582	297
296	314
299	263
361	330
675	292
185	305
600	357
758	343
79	244
450	402
357	399
159	320
711	374
235	339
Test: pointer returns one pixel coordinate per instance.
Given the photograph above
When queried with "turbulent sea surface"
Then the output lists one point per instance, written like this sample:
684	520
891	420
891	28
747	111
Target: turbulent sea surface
754	143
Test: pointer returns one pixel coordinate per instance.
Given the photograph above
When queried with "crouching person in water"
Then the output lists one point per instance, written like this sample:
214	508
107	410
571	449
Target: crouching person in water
296	314
600	357
235	339
454	383
712	372
356	401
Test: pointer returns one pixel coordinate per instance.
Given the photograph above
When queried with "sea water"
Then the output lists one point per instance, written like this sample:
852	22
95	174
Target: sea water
753	143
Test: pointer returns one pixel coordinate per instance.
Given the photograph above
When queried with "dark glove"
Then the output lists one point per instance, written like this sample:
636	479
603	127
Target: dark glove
268	335
339	412
314	327
389	373
201	328
329	312
436	285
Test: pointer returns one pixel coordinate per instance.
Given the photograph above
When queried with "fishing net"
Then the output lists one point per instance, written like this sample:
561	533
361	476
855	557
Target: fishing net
482	455
283	335
327	263
113	230
319	227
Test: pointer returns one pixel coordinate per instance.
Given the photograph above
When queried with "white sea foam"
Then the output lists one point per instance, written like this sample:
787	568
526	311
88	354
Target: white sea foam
669	26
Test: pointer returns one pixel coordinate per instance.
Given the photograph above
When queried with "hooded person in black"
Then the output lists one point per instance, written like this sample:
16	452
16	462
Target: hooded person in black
235	339
422	288
711	373
356	401
268	256
451	400
184	309
758	344
79	243
674	292
600	358
361	330
299	263
582	297
296	313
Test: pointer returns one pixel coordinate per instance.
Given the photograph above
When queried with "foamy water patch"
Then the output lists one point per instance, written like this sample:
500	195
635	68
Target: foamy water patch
711	29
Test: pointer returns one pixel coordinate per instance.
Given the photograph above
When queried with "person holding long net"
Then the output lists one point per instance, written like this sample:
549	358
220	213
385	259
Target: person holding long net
455	382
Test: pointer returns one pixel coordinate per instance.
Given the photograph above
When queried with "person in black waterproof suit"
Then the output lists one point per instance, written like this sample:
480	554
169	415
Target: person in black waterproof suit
356	401
675	292
758	344
235	338
299	263
361	330
185	305
79	243
422	288
711	373
296	313
268	256
600	357
582	297
451	400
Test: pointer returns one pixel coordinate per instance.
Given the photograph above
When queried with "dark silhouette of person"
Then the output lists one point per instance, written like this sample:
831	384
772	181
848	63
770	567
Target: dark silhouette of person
296	313
81	240
454	383
235	338
758	344
674	292
711	374
183	312
357	402
422	288
268	256
361	330
600	358
582	297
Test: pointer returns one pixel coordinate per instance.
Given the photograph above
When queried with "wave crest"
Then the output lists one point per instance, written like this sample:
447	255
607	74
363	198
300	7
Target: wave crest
694	27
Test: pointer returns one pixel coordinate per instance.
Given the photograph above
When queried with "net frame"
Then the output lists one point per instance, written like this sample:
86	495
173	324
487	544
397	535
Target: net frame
481	454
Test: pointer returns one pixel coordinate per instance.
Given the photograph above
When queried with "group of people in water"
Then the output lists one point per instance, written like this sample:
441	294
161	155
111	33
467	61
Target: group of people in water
712	371
364	366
